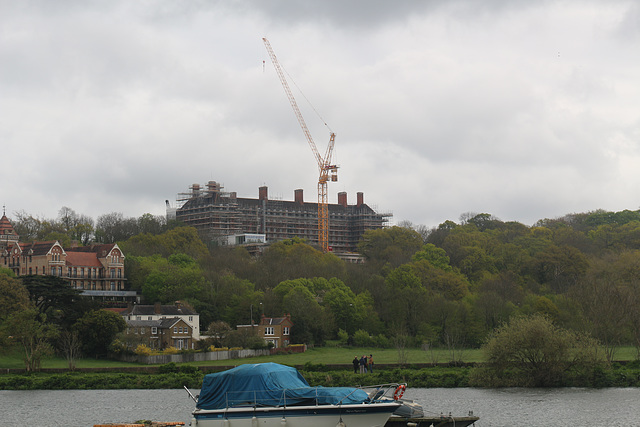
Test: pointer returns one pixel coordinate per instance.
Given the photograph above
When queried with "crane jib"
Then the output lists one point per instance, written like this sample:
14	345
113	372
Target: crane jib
324	163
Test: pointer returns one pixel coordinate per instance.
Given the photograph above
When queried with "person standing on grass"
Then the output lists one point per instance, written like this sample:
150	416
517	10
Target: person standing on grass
370	360
363	364
356	364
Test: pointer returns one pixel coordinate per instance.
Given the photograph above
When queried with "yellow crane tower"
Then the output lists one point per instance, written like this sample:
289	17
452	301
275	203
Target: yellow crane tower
327	171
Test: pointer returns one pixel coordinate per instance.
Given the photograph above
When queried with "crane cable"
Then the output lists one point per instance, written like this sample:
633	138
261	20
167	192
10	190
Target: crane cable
305	97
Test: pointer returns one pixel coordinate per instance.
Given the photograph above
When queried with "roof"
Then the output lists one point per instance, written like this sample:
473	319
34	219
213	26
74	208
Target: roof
275	320
158	323
38	248
163	310
84	259
102	250
5	226
115	309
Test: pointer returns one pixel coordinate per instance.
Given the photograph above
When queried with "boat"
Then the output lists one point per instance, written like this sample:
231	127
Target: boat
274	395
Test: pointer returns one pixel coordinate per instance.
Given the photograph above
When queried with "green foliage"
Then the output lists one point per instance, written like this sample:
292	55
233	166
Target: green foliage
29	330
389	247
293	259
362	339
97	330
532	351
50	292
168	279
14	296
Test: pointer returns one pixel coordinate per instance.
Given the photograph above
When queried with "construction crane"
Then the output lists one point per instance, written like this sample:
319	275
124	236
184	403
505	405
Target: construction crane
327	170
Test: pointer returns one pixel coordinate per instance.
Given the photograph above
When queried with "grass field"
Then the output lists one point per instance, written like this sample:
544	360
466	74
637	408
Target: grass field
319	355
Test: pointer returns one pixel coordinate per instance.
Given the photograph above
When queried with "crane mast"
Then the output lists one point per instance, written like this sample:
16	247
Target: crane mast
326	170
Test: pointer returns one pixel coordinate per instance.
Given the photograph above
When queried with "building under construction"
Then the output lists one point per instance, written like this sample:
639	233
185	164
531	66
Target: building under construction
222	216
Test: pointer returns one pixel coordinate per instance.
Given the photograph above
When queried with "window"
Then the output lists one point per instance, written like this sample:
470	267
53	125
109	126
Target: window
154	330
285	330
268	330
175	329
142	330
150	318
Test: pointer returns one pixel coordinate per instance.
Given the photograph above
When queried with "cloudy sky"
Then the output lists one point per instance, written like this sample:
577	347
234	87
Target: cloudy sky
521	109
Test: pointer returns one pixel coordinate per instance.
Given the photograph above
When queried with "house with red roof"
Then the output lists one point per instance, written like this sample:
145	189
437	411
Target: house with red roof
97	270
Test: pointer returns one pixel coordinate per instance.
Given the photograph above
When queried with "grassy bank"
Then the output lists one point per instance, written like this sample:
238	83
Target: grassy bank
326	366
174	377
319	355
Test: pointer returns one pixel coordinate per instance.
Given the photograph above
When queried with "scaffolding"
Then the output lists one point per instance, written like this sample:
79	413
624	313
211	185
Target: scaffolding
218	214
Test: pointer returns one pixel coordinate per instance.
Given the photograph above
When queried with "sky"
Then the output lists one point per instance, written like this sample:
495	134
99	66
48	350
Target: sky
521	109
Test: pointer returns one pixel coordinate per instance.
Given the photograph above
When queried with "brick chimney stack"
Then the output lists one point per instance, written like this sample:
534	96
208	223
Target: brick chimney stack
262	193
360	199
157	308
298	196
342	198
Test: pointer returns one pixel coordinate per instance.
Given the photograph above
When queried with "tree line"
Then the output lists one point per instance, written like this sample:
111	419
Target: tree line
449	286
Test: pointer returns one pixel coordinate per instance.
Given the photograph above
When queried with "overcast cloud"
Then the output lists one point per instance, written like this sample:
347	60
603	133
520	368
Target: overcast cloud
521	109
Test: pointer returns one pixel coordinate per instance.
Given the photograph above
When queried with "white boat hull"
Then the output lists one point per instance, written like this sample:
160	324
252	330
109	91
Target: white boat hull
358	415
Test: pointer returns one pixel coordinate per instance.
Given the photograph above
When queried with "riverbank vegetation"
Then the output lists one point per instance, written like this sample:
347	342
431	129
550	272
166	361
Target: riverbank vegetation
445	290
174	377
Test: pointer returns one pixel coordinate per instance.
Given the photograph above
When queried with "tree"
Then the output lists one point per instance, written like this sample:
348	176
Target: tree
114	227
312	323
14	296
292	259
608	299
97	329
559	267
30	330
70	345
531	351
77	227
50	292
218	331
390	246
26	226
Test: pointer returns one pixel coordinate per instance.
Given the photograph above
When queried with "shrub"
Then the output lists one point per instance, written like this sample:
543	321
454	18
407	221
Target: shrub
168	368
361	338
142	350
170	350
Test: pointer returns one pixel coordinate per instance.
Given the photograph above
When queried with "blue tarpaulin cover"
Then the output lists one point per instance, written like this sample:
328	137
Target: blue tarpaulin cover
269	384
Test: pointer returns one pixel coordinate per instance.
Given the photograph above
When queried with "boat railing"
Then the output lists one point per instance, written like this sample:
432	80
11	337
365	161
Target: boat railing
384	392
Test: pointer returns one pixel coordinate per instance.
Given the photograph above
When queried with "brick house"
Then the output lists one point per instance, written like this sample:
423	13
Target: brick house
162	333
139	312
97	270
276	330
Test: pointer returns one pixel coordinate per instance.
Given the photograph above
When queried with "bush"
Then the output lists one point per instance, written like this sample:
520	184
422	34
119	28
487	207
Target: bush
142	350
531	351
361	338
170	350
170	367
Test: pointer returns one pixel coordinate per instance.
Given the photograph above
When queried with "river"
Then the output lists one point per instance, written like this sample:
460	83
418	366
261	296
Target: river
609	407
